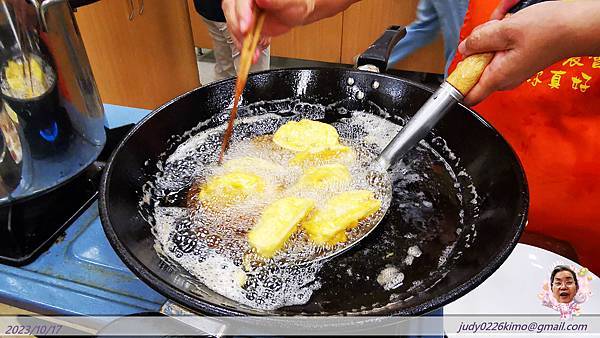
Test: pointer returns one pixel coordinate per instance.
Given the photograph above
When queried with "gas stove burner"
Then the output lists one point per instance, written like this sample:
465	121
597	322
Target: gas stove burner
29	227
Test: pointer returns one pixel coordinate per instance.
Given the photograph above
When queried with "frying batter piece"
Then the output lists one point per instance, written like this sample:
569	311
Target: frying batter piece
306	135
324	176
277	223
225	190
342	212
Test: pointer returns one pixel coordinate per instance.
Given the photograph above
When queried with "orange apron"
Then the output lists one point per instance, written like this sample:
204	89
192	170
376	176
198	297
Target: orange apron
553	123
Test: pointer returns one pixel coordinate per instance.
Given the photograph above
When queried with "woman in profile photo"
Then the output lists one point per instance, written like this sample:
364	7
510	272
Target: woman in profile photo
562	295
564	284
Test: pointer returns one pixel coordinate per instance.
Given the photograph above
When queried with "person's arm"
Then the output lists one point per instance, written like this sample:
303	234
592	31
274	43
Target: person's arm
282	15
532	40
420	32
325	8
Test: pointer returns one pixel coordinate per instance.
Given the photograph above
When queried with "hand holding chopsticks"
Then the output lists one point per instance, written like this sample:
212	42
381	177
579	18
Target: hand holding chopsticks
282	15
247	54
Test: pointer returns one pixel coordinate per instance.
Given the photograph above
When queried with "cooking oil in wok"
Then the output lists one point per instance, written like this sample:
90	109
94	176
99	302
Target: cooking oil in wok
265	287
211	244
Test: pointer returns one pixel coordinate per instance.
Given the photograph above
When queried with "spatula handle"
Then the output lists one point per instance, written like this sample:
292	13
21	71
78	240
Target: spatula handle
468	71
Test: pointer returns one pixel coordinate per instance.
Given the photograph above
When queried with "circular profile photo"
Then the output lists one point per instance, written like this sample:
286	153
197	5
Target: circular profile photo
566	290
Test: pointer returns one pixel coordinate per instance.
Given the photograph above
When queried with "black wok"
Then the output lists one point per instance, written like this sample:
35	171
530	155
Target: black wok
490	189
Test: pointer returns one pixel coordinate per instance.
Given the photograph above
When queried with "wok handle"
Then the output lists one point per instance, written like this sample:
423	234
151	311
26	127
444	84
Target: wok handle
468	71
378	54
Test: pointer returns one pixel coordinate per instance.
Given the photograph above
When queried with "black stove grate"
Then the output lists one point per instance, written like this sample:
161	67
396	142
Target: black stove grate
28	228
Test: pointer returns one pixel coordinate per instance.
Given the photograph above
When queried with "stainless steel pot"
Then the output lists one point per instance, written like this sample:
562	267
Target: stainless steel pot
51	116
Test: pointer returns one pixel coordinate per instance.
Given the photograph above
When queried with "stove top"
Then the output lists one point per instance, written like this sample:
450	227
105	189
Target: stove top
79	273
28	227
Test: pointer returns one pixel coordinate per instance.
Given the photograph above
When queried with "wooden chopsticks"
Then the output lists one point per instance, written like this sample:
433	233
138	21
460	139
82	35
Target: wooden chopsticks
247	54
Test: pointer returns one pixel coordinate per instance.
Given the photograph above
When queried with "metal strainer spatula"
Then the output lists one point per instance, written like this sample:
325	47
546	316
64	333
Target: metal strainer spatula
450	92
453	90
